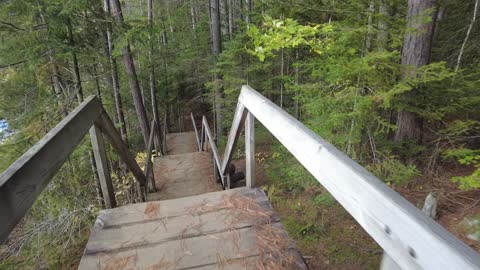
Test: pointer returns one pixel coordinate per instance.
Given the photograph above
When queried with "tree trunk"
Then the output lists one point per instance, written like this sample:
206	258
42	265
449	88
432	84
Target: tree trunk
78	82
469	30
416	52
216	50
194	19
282	64
230	19
249	4
368	39
223	7
382	35
114	77
297	82
132	77
152	79
97	82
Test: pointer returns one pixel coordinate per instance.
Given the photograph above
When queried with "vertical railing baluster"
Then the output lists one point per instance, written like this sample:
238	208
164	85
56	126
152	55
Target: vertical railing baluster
103	170
250	149
202	136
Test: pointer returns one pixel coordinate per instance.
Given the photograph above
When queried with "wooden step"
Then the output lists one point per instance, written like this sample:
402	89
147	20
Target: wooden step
181	143
209	231
183	175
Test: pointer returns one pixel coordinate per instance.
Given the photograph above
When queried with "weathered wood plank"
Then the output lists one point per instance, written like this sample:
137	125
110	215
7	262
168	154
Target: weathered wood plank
181	143
24	180
238	119
213	146
104	123
155	230
164	137
148	161
103	170
413	240
208	231
250	150
136	213
196	131
181	254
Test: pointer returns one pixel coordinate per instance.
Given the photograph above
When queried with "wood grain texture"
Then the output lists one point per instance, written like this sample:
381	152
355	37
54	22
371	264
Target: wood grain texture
250	150
213	146
105	124
184	233
148	161
196	131
24	180
183	175
237	124
413	240
103	170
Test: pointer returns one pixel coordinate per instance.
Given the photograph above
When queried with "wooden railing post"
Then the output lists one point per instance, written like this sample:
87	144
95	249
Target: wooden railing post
164	136
105	124
202	138
98	146
250	149
196	132
148	160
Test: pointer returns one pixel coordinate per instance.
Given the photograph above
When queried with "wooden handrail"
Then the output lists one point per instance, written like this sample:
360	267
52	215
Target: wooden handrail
410	238
105	124
217	162
25	179
164	137
238	120
196	132
148	160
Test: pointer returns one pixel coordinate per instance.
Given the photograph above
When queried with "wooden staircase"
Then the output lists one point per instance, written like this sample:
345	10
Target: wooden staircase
191	222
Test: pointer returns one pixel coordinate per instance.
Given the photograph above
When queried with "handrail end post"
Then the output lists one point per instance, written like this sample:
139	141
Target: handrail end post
250	150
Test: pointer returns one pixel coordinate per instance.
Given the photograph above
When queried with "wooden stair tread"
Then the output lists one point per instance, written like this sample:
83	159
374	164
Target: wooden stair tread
193	232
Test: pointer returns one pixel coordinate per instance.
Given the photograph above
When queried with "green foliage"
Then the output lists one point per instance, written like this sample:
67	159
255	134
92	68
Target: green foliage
335	65
288	33
324	199
466	156
392	170
307	231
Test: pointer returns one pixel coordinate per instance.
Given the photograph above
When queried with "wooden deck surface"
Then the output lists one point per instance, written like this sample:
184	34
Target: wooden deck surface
187	226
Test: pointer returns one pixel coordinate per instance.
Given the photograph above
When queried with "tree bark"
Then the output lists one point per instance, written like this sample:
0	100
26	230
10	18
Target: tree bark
382	35
469	30
216	50
223	7
153	95
249	4
132	77
416	52
78	83
114	77
368	39
230	19
194	19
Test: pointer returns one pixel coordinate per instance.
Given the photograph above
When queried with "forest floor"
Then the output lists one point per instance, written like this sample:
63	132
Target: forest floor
328	237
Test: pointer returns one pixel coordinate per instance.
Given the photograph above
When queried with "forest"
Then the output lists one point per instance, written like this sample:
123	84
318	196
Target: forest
395	84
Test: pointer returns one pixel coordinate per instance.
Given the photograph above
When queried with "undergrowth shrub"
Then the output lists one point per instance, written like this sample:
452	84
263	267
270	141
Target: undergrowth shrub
466	156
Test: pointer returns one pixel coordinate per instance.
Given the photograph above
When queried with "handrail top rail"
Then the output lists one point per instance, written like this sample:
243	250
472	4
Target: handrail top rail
408	236
216	156
23	181
90	103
